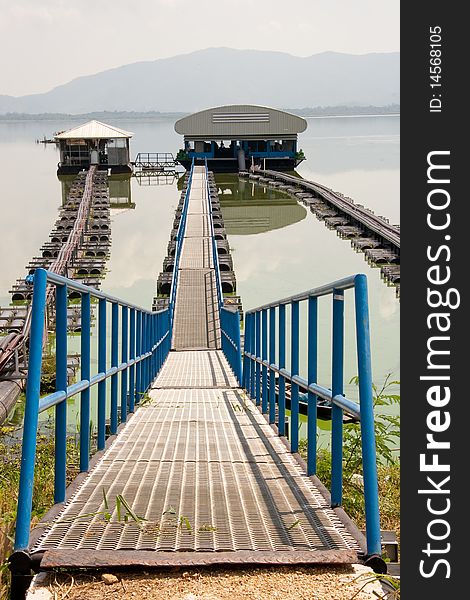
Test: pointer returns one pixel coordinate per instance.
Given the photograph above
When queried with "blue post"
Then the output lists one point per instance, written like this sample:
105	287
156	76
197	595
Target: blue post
246	362
157	344
272	360
132	356
238	351
258	355
282	364
28	453
124	345
114	363
138	353
294	390
312	378
153	341
144	363
160	333
85	375
264	356
60	441
149	348
101	369
337	388
369	464
252	351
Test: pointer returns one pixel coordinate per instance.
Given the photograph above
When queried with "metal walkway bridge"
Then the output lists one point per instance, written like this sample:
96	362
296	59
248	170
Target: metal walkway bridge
199	473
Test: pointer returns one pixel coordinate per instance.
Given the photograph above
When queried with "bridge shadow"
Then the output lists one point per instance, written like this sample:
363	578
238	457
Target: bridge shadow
309	512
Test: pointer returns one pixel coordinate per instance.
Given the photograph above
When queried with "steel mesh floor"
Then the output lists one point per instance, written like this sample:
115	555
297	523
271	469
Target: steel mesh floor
196	369
207	473
196	323
196	253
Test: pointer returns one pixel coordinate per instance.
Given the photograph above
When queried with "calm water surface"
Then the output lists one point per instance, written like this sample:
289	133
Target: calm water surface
278	247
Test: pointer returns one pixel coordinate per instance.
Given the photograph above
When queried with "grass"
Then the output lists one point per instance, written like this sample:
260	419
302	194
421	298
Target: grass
387	434
43	490
353	494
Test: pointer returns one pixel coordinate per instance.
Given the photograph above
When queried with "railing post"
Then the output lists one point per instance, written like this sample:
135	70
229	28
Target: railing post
294	390
101	369
144	363
252	352
131	357
312	378
160	334
148	337
264	356
272	360
114	363
337	389
157	343
369	464
124	355
223	340
60	442
246	364
138	354
85	374
238	351
258	355
31	412
282	364
153	346
149	349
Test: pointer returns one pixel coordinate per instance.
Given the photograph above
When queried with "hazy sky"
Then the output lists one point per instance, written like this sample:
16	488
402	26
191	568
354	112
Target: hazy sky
44	43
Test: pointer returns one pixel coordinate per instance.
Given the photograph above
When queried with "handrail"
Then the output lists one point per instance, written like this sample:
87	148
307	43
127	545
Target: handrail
215	254
230	339
179	244
144	340
261	367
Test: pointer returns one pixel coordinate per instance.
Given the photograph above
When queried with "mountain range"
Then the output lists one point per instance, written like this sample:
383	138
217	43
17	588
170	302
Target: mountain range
218	76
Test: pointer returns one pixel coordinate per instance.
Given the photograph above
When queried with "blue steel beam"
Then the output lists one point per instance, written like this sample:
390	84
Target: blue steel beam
312	378
60	442
31	412
337	390
364	412
34	404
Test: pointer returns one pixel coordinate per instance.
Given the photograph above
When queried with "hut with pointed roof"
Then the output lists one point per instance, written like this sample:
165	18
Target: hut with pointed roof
94	143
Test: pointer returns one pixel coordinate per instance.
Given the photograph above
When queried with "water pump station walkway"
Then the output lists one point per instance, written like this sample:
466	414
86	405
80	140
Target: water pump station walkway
193	466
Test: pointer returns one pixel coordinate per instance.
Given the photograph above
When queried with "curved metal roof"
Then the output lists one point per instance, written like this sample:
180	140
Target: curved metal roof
94	130
240	120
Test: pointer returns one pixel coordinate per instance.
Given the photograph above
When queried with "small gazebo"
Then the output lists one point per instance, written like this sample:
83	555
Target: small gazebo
94	143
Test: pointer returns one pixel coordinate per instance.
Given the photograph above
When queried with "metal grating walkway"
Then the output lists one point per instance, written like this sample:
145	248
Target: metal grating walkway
196	323
210	476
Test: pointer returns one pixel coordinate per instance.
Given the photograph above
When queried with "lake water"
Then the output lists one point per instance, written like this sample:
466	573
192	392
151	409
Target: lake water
278	247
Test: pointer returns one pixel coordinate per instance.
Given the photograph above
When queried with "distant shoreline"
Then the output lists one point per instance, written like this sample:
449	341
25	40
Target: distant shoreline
351	116
318	112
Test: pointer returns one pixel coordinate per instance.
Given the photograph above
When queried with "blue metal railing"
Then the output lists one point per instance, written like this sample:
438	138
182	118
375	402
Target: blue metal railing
145	343
215	254
259	380
230	338
179	245
229	318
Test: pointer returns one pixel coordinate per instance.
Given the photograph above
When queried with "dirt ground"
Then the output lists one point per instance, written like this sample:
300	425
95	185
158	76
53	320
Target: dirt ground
290	583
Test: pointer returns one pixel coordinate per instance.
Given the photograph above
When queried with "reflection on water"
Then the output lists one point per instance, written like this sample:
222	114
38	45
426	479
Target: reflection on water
282	257
249	208
120	195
